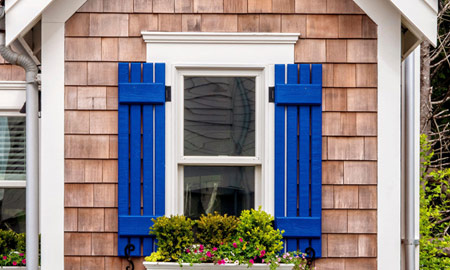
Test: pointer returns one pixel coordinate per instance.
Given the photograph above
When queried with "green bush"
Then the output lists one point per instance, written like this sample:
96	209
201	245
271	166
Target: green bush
174	234
256	227
434	213
10	240
216	229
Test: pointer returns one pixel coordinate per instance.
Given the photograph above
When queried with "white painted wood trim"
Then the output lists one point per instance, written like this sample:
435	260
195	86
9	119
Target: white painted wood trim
230	51
389	131
220	38
13	184
12	95
13	85
52	132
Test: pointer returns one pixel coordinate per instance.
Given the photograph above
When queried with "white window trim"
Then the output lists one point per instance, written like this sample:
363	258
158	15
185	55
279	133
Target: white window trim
257	161
239	52
12	95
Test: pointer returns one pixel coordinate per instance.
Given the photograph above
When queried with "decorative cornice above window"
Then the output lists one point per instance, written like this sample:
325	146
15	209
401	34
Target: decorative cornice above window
220	38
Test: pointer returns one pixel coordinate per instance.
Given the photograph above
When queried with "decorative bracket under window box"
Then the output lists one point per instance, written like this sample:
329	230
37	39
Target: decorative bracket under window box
207	266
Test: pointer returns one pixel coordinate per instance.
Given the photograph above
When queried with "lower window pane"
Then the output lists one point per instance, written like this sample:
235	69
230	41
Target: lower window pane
12	209
227	190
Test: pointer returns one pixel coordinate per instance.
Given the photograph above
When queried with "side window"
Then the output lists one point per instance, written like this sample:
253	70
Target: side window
12	172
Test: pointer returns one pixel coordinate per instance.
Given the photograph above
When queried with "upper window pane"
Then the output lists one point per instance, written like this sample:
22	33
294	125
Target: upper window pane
12	148
219	116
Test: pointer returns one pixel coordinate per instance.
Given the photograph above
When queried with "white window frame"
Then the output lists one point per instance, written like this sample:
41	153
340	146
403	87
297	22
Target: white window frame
12	98
215	52
256	161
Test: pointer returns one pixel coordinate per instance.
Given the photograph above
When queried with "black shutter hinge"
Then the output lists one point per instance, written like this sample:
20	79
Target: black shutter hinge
168	93
272	94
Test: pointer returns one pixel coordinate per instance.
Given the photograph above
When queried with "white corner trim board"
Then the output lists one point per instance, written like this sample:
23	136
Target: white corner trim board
388	19
52	132
219	37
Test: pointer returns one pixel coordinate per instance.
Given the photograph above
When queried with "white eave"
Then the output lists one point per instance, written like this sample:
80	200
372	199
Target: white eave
21	15
420	17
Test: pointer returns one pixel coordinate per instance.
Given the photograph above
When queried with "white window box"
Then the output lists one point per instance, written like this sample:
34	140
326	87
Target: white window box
13	267
207	266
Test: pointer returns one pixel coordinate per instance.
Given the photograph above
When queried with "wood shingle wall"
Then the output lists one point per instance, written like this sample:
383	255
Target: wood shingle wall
334	32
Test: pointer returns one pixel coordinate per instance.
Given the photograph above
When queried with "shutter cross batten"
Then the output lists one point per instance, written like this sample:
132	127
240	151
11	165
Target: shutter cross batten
141	137
298	155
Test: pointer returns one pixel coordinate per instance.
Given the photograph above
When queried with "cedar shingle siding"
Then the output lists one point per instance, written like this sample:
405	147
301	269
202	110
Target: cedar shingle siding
334	32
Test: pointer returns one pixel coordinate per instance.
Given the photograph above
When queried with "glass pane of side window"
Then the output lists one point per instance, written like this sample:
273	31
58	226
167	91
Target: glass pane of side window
227	190
219	116
12	148
12	209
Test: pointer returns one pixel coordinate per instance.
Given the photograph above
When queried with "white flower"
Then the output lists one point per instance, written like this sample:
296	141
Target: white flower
236	262
226	260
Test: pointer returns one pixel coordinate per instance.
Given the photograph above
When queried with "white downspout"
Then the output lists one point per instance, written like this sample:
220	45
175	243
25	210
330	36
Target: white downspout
410	242
32	146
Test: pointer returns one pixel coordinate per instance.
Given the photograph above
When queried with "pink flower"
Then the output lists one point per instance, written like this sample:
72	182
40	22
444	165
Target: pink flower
284	256
240	239
234	245
214	248
262	261
14	263
209	254
4	258
21	254
221	243
188	251
221	262
201	248
251	261
24	261
195	251
263	252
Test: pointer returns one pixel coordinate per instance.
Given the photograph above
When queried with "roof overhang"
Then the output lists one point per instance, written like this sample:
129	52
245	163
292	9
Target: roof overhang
419	17
21	16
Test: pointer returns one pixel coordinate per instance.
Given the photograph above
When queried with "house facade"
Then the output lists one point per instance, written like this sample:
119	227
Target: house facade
93	163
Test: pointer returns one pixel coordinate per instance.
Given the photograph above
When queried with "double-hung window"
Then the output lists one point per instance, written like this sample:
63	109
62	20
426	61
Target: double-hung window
219	136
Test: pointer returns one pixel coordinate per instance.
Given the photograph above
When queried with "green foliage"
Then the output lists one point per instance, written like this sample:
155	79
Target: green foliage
256	228
173	234
434	205
10	240
155	257
216	229
12	248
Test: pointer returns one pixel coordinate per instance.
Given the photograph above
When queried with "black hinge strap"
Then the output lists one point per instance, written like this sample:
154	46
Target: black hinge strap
168	93
272	94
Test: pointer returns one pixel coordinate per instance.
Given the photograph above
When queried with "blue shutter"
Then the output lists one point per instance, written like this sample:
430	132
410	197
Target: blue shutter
298	155
141	138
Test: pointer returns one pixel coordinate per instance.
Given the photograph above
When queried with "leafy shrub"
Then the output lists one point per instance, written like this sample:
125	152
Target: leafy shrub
10	240
216	229
434	213
256	227
174	234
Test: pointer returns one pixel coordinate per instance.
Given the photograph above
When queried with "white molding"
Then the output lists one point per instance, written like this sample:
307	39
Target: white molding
220	38
13	184
388	19
12	85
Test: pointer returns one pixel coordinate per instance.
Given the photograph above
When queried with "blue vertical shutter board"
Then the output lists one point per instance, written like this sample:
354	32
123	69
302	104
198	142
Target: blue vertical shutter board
135	157
316	158
304	158
160	75
309	128
292	143
279	148
147	115
123	168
